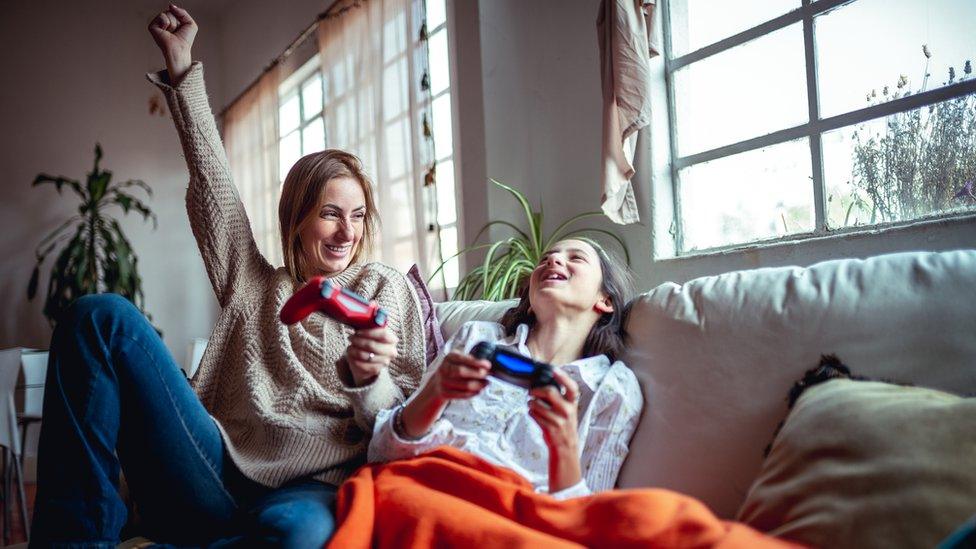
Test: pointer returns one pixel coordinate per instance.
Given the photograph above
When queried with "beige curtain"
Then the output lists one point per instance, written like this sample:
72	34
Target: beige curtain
624	33
373	61
251	141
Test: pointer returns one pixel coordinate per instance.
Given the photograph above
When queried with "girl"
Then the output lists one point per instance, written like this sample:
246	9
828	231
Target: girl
471	454
277	416
570	314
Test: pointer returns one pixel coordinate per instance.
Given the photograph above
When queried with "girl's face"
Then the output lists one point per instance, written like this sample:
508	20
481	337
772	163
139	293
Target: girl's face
568	278
331	239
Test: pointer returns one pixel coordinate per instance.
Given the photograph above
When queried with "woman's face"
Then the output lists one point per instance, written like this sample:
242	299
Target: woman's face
570	278
330	240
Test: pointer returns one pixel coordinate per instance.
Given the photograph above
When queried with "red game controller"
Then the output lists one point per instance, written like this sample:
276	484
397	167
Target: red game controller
343	305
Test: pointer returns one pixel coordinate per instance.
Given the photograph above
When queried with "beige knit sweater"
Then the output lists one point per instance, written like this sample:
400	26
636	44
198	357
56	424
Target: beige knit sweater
275	391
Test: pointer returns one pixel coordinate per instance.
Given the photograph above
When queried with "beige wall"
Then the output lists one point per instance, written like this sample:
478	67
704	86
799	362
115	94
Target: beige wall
75	75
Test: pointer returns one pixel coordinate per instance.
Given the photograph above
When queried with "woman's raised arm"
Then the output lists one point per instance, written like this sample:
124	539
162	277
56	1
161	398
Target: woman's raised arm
216	213
174	30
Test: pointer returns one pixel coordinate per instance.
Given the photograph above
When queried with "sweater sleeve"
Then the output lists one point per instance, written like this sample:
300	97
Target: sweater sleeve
403	375
217	215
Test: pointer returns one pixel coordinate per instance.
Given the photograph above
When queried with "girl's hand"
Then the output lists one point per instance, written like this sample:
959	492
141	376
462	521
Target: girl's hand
369	352
556	414
174	30
459	376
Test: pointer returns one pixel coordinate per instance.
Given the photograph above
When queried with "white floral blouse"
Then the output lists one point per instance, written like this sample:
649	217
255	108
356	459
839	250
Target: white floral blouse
496	425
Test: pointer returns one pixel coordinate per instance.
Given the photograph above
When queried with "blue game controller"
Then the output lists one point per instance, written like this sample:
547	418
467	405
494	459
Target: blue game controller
515	368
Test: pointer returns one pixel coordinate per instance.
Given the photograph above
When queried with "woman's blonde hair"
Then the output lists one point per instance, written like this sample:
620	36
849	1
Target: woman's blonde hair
301	199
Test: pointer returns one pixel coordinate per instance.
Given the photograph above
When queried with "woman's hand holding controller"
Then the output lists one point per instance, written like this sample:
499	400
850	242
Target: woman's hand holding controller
370	350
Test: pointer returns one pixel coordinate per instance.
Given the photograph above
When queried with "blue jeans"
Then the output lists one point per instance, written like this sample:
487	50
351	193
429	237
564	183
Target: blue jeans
115	398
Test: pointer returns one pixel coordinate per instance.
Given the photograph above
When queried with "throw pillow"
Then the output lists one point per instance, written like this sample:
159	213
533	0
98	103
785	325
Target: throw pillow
867	464
432	328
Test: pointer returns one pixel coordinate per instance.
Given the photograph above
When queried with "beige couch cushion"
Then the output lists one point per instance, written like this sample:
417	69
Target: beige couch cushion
863	464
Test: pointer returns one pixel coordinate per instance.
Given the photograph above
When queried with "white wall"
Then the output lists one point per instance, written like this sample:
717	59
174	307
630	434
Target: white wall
541	111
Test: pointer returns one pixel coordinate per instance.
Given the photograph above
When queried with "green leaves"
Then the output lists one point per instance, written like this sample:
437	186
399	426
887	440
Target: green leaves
509	262
97	257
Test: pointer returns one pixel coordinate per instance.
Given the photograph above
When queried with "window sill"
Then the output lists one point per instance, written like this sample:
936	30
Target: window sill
895	228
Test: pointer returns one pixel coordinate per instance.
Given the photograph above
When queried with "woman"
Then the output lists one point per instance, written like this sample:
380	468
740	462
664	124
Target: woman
473	461
277	416
570	314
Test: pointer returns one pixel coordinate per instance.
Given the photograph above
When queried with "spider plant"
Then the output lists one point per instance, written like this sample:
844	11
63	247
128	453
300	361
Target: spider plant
98	257
509	262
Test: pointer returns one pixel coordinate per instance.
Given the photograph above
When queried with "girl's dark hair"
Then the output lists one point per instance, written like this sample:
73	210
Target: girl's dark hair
607	335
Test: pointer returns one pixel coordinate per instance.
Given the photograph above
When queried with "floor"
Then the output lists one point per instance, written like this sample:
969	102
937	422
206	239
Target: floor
17	534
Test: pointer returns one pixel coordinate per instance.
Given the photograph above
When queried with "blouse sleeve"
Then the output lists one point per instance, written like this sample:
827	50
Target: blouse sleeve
386	444
616	409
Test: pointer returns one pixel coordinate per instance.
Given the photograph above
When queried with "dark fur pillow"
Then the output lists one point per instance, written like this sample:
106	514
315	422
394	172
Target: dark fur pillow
830	367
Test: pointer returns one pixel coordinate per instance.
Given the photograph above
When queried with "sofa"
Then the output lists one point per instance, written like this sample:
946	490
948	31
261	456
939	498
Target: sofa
716	356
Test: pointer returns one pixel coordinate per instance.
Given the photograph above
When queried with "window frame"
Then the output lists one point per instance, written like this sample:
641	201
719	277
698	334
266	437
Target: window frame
292	86
813	129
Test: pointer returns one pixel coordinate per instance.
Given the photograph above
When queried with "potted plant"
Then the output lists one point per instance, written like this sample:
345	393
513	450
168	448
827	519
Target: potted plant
97	257
509	262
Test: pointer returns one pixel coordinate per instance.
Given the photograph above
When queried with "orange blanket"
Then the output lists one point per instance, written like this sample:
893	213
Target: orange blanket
450	498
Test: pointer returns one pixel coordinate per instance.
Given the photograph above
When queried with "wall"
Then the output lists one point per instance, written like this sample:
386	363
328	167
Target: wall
252	33
542	118
75	75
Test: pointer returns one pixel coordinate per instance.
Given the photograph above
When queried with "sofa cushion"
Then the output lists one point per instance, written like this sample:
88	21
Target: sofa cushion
453	314
868	464
716	355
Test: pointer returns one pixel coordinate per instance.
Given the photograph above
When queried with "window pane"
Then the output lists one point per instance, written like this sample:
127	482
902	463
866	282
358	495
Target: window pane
289	151
396	137
698	23
398	217
436	14
313	136
394	36
440	77
395	90
312	97
288	115
446	203
760	194
404	254
902	167
449	247
871	51
443	136
745	92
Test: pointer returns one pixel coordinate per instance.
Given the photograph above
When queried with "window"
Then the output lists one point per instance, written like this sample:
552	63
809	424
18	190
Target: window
378	89
440	89
300	126
792	118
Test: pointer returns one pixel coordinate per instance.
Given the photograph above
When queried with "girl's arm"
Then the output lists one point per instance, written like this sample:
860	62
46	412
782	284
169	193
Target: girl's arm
556	415
216	213
612	419
416	427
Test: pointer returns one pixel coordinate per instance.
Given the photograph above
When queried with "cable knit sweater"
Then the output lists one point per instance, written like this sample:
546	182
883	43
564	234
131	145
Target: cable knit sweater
275	391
